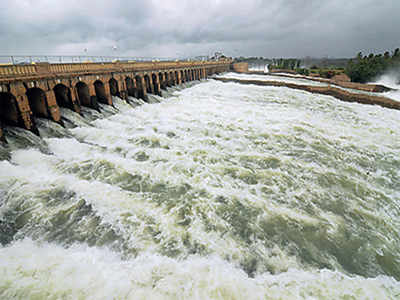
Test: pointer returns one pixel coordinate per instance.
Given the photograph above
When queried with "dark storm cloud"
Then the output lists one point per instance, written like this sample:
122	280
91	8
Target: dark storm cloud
184	28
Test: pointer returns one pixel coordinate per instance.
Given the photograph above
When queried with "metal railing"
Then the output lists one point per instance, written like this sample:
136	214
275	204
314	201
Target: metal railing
32	59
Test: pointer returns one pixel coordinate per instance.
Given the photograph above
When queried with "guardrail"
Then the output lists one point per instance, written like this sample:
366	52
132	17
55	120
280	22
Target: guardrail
12	70
35	69
53	59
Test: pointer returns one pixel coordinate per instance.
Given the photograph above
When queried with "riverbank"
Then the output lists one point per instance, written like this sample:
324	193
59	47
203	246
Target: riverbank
324	90
375	88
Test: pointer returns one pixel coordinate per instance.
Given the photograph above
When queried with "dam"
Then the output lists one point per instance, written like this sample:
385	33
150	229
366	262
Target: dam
41	89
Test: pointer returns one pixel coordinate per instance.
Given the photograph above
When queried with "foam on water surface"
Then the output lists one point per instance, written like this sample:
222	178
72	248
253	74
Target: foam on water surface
222	191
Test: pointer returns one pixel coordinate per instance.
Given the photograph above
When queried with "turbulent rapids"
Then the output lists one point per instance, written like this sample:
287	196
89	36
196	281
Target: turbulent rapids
216	191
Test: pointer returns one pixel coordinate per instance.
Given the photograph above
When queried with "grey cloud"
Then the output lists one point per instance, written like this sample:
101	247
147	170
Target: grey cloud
276	28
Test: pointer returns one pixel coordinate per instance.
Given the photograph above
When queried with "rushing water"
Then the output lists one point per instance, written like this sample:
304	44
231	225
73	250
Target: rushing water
267	77
220	191
395	94
391	80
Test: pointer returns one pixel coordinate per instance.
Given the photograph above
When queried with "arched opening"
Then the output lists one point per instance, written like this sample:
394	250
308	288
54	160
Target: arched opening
166	82
114	90
64	97
9	112
139	87
171	78
192	74
162	82
187	75
38	102
148	84
176	77
100	92
84	96
156	88
183	79
130	87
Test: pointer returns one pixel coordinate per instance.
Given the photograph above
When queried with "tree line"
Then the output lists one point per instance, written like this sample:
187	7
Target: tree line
367	68
286	64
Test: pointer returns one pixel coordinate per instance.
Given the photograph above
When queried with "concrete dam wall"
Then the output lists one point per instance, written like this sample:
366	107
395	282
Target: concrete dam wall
39	90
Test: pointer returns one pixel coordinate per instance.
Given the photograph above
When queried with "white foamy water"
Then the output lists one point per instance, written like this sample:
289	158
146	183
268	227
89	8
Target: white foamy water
259	67
304	81
223	191
389	80
273	78
50	271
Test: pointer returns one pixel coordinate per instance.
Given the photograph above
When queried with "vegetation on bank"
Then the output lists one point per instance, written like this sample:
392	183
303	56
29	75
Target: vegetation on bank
286	63
367	68
326	72
299	66
360	69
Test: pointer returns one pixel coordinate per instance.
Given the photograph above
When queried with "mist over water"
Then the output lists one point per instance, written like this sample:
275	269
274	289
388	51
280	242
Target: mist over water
218	191
392	80
261	67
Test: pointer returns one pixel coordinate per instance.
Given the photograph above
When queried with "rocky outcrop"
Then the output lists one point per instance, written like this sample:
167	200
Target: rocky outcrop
328	90
341	78
377	88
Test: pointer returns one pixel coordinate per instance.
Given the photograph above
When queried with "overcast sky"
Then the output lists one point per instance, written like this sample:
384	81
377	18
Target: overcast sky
176	28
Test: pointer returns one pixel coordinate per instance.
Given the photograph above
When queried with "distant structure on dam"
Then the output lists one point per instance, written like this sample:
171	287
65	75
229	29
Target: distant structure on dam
41	89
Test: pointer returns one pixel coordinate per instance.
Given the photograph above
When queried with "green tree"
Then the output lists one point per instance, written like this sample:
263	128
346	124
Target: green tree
365	68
